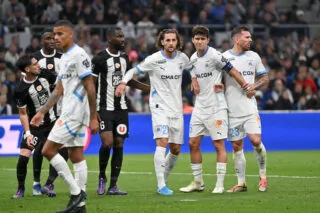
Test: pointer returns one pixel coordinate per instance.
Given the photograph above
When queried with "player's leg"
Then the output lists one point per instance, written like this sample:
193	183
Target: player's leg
72	134
253	128
236	134
160	134
48	188
218	132
120	132
37	164
196	166
196	132
106	136
175	140
22	170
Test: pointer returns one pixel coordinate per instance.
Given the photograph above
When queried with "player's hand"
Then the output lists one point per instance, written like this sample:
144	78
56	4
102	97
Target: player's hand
94	125
250	94
195	86
120	89
218	88
37	118
30	141
248	87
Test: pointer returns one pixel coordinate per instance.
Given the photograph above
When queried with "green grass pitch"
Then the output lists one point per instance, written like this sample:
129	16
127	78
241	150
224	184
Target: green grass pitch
294	186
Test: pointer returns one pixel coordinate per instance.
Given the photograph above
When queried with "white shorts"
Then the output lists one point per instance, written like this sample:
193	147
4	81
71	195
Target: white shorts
215	126
241	126
70	133
167	127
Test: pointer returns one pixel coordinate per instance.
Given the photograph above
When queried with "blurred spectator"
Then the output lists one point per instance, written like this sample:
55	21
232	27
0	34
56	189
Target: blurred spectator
79	8
292	14
305	80
311	97
99	20
18	22
5	108
4	71
12	55
303	29
127	27
302	103
35	10
9	7
96	45
203	18
98	6
52	12
34	46
69	12
167	20
281	96
113	12
217	12
11	83
146	27
297	93
237	9
88	15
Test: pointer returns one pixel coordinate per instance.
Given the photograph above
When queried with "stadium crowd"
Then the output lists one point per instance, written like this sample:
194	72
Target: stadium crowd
291	55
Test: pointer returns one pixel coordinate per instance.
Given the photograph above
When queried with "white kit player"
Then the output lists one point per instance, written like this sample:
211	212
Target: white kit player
78	111
209	116
165	69
243	112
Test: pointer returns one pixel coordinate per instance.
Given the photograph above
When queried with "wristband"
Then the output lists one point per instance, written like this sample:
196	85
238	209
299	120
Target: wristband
27	134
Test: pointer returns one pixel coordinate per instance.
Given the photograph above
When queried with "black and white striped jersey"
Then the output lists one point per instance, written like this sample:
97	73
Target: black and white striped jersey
34	94
50	63
109	69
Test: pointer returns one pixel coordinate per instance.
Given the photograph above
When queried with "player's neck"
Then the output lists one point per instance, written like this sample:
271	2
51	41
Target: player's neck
201	52
47	51
113	50
68	47
30	77
236	50
169	54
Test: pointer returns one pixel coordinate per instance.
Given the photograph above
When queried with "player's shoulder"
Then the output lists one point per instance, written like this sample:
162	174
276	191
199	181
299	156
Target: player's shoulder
101	55
252	54
182	55
21	87
58	54
154	57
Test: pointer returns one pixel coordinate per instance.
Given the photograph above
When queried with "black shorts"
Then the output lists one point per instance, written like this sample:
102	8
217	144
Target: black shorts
115	121
40	135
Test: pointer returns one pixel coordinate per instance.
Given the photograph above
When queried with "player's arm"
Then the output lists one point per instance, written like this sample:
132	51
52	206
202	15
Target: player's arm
53	99
126	78
139	85
24	119
262	80
89	85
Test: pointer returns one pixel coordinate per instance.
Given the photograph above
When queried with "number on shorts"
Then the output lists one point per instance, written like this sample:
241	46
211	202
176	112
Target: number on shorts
102	126
234	132
35	140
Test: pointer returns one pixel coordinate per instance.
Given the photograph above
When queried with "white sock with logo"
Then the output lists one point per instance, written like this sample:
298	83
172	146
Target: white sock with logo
261	157
159	165
240	166
197	172
171	160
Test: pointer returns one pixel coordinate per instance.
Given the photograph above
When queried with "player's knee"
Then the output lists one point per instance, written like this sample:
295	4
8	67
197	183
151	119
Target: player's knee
237	146
194	144
175	149
255	140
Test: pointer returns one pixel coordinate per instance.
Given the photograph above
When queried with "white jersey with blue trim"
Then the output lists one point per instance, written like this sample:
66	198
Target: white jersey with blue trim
165	80
209	70
75	64
249	65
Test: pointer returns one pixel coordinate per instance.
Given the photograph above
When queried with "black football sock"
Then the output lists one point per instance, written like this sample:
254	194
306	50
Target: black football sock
104	154
37	163
116	163
22	170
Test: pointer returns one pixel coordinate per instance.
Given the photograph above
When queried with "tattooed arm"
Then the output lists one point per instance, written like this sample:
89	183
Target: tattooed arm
262	80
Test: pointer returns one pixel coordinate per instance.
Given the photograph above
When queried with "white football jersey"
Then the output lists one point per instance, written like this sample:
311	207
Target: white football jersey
249	65
209	70
75	65
165	80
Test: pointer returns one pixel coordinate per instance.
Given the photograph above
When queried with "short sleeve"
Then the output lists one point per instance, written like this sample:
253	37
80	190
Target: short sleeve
83	65
97	65
260	69
145	66
20	98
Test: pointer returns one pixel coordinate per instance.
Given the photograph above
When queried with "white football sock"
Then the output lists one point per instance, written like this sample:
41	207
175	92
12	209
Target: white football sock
159	165
221	172
81	175
240	166
64	172
171	160
197	172
261	157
